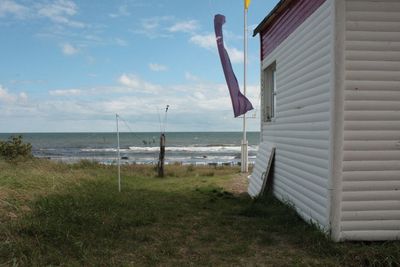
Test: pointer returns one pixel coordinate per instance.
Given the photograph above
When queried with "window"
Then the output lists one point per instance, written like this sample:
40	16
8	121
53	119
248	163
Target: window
269	92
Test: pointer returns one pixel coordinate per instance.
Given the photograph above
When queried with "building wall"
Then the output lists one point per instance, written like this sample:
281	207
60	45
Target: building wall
370	197
291	18
301	129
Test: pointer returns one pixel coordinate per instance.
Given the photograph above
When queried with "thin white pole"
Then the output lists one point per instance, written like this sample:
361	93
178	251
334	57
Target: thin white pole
119	156
244	163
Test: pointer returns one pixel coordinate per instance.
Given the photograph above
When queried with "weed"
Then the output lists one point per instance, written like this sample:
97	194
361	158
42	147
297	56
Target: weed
15	149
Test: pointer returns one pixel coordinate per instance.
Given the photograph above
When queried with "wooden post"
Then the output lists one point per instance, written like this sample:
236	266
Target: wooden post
162	156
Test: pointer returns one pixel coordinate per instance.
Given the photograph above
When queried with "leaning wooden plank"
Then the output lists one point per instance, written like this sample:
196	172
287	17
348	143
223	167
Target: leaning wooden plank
257	183
266	175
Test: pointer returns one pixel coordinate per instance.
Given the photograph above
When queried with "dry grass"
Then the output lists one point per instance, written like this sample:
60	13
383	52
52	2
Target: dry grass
59	214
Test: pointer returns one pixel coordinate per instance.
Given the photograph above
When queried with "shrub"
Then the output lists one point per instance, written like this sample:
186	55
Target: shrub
15	148
87	164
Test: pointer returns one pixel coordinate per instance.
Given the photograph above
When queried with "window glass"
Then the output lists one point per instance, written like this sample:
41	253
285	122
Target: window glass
273	93
268	83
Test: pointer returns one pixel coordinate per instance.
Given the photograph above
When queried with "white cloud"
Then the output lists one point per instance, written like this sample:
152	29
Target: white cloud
90	60
165	26
120	42
28	82
60	12
184	26
150	24
228	35
133	82
153	27
199	95
23	97
66	92
122	11
206	41
157	67
235	55
129	80
5	96
9	98
69	49
155	22
190	77
194	106
12	8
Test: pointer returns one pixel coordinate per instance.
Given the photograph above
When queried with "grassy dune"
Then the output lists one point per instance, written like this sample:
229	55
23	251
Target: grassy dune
59	214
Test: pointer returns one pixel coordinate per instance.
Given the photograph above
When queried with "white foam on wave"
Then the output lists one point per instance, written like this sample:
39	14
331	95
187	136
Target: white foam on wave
227	149
193	149
103	150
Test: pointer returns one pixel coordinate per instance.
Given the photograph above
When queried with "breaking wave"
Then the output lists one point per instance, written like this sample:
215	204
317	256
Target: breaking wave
193	149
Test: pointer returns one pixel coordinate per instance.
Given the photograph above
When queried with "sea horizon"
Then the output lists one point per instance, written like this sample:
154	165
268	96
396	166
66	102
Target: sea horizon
131	132
198	148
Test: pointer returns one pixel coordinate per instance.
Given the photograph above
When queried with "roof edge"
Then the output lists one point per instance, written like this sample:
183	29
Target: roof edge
282	4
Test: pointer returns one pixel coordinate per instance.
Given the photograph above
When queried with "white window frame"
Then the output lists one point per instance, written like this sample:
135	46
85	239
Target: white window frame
268	83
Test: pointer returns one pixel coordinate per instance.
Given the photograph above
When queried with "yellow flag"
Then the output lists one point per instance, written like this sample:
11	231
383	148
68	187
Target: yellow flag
246	3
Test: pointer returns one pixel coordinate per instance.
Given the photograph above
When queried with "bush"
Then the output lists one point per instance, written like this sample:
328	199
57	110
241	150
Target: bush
15	148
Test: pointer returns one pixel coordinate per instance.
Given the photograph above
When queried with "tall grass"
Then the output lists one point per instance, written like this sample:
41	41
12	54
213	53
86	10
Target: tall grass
59	214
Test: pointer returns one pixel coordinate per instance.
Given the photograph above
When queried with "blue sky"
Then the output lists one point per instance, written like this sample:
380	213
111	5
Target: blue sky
68	66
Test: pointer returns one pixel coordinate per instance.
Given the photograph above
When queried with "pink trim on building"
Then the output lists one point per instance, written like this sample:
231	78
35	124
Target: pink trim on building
286	22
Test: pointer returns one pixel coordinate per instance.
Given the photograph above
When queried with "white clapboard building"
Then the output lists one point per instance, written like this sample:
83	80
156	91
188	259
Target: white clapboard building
330	86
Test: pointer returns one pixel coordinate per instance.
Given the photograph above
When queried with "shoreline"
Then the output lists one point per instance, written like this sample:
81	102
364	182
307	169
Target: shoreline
113	161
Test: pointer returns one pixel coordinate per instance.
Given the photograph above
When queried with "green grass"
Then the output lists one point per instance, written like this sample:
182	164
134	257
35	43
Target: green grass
59	214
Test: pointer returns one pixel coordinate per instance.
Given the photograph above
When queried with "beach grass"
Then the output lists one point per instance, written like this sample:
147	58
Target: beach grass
72	214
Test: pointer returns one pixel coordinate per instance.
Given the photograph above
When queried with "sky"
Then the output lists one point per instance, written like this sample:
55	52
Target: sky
70	66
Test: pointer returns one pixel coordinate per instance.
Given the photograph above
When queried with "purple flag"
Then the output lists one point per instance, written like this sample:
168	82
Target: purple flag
240	103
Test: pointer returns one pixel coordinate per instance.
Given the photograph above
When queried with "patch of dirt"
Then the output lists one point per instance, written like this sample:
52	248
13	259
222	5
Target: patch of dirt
12	215
238	184
25	208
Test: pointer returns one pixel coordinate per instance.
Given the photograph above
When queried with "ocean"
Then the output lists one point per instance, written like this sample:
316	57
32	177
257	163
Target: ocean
198	148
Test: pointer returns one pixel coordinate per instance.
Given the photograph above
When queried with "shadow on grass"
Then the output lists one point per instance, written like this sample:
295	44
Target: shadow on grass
92	224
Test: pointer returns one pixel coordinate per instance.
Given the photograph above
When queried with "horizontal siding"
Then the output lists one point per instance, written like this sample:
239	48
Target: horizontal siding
370	208
301	129
368	235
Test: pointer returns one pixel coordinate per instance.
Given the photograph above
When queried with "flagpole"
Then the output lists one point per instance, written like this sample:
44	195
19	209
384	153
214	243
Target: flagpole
244	157
119	156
